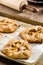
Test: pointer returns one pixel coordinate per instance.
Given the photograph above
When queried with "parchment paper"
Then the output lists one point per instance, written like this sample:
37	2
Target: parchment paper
37	49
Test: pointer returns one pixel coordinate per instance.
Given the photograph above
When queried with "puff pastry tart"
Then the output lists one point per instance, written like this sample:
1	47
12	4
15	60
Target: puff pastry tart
33	34
17	49
8	25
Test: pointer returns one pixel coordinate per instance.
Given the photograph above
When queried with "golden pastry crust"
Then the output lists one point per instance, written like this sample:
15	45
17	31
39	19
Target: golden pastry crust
0	35
17	49
8	25
33	34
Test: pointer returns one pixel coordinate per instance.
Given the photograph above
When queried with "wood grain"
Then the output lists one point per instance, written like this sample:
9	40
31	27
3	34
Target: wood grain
26	15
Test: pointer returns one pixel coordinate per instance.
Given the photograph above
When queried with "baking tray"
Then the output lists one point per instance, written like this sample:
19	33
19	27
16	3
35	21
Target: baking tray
37	49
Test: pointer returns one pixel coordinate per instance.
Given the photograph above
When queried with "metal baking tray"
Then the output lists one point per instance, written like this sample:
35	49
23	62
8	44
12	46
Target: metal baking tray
37	49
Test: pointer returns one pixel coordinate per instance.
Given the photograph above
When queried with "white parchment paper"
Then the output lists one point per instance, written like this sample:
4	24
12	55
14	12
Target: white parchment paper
37	49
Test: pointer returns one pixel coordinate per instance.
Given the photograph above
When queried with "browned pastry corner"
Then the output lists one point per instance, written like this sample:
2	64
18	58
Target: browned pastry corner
0	35
33	34
8	25
17	49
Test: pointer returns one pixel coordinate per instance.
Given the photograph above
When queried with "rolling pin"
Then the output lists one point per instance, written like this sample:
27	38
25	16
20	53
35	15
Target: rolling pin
18	5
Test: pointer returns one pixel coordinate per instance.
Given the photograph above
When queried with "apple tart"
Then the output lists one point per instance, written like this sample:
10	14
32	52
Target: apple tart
17	49
8	25
33	34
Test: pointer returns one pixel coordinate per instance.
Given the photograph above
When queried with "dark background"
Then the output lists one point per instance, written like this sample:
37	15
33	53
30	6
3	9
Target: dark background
4	61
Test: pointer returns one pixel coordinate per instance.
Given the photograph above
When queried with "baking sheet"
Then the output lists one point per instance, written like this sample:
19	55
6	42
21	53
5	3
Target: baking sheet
37	49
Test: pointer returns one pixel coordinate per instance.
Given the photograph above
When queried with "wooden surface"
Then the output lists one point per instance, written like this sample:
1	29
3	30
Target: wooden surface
24	16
